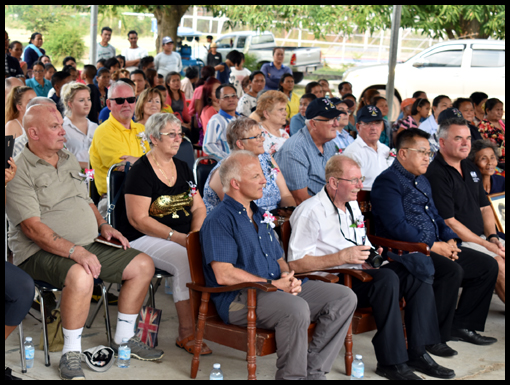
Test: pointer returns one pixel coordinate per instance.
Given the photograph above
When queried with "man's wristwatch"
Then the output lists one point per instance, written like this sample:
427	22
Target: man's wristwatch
71	251
492	236
269	281
170	234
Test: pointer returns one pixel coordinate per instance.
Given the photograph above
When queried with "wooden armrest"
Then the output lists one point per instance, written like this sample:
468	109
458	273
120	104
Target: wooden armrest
399	245
224	289
358	274
318	276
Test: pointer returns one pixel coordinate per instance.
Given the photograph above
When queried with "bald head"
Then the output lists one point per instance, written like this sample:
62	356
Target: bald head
337	164
39	118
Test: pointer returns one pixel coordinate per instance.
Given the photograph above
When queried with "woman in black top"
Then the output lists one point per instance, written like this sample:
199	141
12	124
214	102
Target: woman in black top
163	206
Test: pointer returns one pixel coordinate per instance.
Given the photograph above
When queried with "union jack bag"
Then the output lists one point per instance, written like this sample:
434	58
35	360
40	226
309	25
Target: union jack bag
148	326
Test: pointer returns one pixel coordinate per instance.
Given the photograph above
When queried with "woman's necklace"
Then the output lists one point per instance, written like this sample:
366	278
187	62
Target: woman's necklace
157	164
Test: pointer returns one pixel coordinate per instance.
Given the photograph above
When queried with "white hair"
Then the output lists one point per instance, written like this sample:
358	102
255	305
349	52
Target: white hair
116	85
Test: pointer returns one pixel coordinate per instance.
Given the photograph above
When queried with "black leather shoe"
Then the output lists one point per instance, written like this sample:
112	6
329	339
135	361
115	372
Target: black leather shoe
396	372
472	336
441	350
426	365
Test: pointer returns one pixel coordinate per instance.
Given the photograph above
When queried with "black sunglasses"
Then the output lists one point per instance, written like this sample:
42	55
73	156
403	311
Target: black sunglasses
130	100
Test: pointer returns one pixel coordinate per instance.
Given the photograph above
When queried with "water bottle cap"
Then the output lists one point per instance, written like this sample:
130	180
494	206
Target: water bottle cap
216	366
125	340
359	356
28	339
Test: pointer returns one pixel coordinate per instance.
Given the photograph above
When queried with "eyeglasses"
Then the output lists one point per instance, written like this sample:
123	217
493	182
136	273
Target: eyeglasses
130	100
258	137
172	135
38	71
354	181
231	96
330	121
427	154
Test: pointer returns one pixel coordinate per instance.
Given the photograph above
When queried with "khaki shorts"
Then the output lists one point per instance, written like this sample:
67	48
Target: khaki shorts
51	268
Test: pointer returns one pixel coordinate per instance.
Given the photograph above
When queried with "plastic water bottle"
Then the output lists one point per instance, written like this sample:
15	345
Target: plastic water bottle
124	354
29	352
358	368
168	285
216	373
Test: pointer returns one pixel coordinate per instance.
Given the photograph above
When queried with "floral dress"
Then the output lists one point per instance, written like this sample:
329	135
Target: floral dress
271	194
496	135
273	143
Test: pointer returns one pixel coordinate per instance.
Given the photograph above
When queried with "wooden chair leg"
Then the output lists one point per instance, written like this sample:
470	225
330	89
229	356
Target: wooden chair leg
202	313
348	351
252	321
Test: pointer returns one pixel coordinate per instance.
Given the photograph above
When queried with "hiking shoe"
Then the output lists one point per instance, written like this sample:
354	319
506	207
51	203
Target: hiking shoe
70	366
140	350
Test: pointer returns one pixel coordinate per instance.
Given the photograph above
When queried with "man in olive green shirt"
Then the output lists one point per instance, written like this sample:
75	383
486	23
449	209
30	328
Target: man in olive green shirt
53	225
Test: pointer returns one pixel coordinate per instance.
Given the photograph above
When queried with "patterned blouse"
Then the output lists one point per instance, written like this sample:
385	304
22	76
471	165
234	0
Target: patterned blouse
496	135
273	143
271	194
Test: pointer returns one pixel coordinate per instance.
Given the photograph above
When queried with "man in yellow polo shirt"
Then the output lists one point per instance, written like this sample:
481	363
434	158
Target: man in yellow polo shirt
118	139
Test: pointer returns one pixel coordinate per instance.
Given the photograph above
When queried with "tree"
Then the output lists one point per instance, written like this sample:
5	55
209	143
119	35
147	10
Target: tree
446	21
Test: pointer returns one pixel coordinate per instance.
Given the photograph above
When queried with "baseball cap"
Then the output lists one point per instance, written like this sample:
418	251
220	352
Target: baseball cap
449	113
321	107
350	103
369	114
167	39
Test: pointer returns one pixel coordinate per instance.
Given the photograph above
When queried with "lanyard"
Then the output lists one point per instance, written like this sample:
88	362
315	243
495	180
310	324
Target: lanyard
355	242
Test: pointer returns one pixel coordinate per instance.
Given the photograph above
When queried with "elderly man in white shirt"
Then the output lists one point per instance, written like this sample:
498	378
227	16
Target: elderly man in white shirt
373	156
328	231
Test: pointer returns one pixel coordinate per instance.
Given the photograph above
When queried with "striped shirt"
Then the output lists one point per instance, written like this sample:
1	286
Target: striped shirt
215	139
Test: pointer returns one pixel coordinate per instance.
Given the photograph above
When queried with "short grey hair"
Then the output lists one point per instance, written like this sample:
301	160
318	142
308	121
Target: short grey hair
231	167
479	145
157	122
335	165
237	129
116	85
444	127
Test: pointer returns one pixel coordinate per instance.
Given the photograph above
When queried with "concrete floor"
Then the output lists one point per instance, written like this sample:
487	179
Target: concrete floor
472	363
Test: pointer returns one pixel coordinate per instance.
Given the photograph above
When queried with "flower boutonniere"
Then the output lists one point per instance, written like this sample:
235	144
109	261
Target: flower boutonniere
268	219
87	175
143	139
359	223
339	150
192	189
273	171
392	154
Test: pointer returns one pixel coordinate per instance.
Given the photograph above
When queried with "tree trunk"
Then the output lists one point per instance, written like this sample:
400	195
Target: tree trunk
168	17
471	29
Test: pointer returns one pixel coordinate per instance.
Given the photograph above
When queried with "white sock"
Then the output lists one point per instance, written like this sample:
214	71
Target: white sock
125	327
72	340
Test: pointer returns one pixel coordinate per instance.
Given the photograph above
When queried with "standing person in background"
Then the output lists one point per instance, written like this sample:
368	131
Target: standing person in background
276	69
15	109
104	49
234	58
286	86
34	50
237	75
167	60
38	83
133	54
479	99
79	129
214	57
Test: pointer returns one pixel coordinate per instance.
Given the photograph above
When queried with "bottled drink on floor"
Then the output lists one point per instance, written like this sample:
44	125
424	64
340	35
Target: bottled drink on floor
216	373
29	352
124	354
358	368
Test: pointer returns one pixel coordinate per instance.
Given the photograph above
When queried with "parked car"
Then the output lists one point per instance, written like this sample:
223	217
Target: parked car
456	68
300	59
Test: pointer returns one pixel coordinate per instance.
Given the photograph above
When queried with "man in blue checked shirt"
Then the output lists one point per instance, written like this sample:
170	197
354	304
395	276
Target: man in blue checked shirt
239	245
303	157
215	140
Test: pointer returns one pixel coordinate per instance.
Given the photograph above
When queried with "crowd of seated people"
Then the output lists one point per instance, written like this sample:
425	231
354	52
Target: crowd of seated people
431	188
